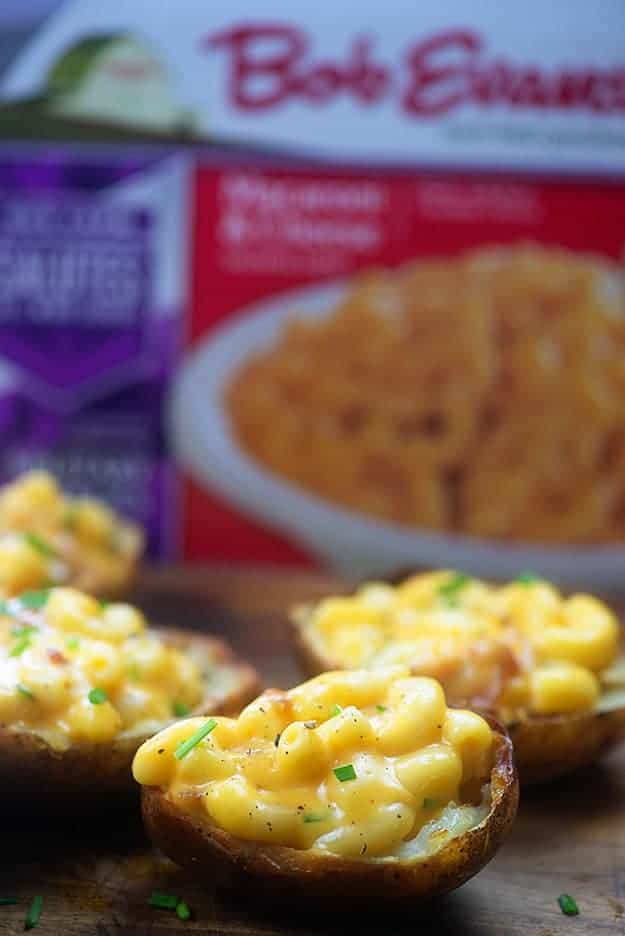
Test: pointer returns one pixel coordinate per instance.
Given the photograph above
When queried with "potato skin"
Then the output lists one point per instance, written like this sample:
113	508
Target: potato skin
89	777
282	875
545	747
311	662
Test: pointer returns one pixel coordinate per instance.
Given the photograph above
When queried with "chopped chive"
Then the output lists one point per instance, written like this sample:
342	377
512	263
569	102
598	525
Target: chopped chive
163	901
451	589
18	648
24	691
568	905
97	696
72	643
335	710
179	709
183	749
527	578
381	708
316	817
40	545
4	609
182	911
429	803
7	901
103	602
34	600
25	631
32	917
346	772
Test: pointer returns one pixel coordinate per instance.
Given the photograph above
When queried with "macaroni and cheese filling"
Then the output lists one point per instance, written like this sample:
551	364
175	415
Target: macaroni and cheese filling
73	669
522	645
359	764
47	538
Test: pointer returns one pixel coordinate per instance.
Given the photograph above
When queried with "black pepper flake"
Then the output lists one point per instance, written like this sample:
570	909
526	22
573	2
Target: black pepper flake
310	724
363	849
161	750
276	740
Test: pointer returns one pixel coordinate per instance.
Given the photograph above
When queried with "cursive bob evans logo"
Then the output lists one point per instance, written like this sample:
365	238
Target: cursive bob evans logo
270	64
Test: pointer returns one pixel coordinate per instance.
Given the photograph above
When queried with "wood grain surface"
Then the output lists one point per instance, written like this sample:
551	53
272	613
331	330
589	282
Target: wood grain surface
96	877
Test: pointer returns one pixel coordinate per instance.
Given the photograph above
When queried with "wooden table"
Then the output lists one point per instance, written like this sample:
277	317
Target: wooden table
567	838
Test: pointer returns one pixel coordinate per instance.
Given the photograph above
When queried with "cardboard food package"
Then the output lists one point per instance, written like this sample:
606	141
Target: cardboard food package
364	302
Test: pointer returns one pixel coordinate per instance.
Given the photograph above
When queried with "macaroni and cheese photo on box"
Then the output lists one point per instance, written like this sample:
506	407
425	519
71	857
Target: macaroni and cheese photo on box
399	367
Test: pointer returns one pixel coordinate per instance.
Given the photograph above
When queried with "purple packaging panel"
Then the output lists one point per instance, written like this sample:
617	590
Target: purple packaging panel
92	294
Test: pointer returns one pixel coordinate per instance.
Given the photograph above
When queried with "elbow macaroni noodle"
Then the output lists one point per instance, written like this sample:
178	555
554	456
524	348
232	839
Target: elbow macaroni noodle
522	645
73	670
358	764
23	566
48	539
479	394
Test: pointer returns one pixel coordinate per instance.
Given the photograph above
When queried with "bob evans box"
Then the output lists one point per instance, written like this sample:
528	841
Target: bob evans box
406	334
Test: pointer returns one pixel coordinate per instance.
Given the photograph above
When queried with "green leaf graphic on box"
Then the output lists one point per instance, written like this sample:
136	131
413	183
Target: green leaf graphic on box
70	70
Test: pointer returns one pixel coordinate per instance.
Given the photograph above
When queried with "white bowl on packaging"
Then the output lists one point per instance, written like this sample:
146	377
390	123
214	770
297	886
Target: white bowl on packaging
349	542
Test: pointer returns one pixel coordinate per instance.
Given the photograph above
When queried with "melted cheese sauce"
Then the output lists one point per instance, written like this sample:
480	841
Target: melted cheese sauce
73	670
47	538
359	764
521	645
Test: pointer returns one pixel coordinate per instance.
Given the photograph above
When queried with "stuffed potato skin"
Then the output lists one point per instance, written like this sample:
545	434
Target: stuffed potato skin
91	776
546	746
49	537
287	875
354	786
